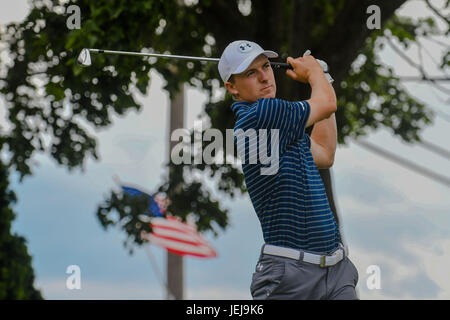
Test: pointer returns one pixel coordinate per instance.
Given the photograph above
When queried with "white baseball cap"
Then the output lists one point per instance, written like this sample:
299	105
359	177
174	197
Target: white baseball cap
238	55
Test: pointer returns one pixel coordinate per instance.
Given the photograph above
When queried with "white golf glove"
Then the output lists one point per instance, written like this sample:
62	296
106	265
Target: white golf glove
324	66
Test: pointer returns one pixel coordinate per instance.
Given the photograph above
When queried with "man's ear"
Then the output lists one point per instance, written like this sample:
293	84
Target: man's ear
231	88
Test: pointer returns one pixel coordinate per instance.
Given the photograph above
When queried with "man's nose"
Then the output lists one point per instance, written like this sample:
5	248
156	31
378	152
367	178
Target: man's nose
263	76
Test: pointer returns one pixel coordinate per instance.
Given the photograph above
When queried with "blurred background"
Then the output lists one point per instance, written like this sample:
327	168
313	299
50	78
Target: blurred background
65	131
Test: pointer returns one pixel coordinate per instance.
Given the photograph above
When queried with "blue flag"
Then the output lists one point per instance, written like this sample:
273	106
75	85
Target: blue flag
153	210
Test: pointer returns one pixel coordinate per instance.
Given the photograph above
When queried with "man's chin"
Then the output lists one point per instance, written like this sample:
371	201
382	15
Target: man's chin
269	95
256	98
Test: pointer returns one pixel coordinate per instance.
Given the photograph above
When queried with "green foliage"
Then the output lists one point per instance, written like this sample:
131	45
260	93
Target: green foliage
372	92
193	198
16	272
129	209
406	30
446	61
325	13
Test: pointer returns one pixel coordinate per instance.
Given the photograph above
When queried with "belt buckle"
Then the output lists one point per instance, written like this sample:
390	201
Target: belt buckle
323	261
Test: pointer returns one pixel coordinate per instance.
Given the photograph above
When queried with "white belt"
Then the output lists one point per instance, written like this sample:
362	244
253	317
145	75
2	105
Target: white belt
322	260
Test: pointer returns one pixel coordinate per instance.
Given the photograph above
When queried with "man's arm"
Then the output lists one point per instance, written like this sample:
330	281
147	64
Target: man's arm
323	106
324	133
323	98
323	142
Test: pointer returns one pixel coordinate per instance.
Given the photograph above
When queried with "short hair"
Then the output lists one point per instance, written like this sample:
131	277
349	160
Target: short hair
231	79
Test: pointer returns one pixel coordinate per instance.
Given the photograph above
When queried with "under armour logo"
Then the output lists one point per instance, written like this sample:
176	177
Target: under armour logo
259	267
245	47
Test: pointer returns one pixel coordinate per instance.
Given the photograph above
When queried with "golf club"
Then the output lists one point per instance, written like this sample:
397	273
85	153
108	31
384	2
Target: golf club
84	58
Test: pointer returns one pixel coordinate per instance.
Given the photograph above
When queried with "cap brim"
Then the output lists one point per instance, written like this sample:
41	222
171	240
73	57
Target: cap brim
247	62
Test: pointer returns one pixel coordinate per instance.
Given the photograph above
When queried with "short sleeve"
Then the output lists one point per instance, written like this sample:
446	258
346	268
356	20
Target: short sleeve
289	118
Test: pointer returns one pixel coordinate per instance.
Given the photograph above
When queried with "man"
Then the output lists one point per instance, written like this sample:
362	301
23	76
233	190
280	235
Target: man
303	257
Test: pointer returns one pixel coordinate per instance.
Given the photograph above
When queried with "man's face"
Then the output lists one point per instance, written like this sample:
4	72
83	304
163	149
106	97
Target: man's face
256	82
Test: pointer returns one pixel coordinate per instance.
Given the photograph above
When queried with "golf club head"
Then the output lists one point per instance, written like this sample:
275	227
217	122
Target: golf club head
84	58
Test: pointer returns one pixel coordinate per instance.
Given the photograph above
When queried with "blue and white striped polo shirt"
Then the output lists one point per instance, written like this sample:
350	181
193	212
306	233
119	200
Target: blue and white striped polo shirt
291	204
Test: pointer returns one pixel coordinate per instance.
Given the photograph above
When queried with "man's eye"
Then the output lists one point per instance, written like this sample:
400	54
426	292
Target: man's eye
250	73
266	65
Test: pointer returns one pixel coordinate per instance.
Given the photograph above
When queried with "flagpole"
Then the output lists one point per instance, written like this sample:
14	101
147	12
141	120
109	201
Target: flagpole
158	273
175	262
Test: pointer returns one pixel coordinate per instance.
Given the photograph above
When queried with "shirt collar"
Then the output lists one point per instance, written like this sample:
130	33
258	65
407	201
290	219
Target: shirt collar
239	104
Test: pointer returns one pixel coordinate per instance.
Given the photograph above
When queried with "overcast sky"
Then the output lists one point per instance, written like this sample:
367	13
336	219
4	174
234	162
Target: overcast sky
392	217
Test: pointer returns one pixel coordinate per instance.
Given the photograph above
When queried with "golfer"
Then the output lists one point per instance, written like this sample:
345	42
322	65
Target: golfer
303	256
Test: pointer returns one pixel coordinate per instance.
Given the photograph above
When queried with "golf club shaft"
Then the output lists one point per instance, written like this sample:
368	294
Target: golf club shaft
275	65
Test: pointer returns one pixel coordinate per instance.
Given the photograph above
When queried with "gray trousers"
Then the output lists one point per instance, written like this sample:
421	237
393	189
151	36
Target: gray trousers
281	278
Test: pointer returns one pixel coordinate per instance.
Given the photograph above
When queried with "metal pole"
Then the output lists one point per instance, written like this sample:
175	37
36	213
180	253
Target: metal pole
175	262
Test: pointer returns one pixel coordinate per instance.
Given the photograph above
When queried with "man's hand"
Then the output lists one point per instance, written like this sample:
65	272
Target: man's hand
323	99
303	68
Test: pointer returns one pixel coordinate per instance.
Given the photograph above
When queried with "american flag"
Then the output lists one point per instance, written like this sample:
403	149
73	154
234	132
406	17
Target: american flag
170	232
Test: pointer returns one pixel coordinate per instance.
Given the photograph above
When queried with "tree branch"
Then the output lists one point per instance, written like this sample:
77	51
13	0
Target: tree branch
436	11
406	163
443	115
412	78
430	38
446	75
415	65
